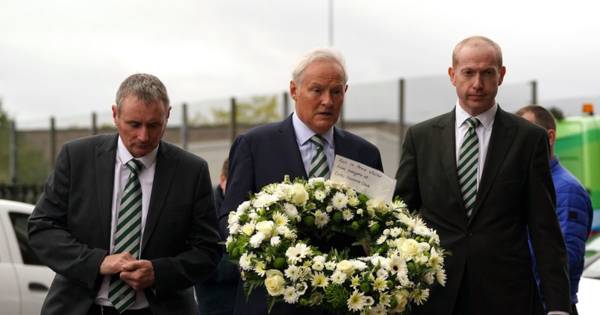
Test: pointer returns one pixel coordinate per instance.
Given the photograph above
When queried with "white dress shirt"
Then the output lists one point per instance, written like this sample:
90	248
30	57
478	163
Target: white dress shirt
484	131
146	177
307	148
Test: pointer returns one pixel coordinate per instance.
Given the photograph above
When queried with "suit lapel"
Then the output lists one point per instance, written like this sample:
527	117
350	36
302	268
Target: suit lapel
447	138
163	175
105	178
500	140
289	148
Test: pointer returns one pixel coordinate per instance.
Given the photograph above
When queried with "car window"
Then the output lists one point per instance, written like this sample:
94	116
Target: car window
19	222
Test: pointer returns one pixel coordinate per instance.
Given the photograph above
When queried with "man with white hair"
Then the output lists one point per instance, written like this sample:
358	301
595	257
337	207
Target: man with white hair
301	146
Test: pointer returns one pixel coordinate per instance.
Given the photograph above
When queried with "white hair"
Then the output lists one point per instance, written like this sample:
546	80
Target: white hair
319	54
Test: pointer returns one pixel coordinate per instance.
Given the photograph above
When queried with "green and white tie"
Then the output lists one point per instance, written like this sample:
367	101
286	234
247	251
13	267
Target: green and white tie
127	235
318	164
468	160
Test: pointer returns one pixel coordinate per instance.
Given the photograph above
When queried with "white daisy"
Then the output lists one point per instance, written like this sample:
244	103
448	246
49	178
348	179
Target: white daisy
339	200
356	301
319	280
321	218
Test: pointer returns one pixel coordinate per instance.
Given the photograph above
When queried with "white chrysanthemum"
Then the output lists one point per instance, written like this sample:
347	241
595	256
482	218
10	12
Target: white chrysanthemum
319	280
419	296
259	268
354	282
290	295
246	261
401	298
377	310
243	207
293	272
353	201
381	239
395	232
382	273
321	218
406	220
338	277
256	239
286	232
339	201
280	218
266	227
360	211
291	211
385	299
248	228
328	209
253	215
440	276
264	199
234	228
330	265
422	230
319	195
434	238
380	284
319	258
377	205
316	180
356	301
318	266
297	253
347	215
358	265
377	260
275	240
233	218
424	247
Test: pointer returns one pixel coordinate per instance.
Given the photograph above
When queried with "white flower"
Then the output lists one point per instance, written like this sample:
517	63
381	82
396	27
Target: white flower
353	201
380	284
321	218
233	218
394	232
229	241
347	215
319	280
259	268
381	239
280	218
319	195
266	228
356	301
419	296
299	194
234	228
293	272
291	211
422	230
290	295
243	207
382	273
339	201
286	232
274	282
358	265
338	277
318	266
330	265
345	266
248	228
315	180
385	299
246	261
297	253
263	200
401	297
355	282
275	240
410	248
435	259
256	239
440	276
397	265
377	310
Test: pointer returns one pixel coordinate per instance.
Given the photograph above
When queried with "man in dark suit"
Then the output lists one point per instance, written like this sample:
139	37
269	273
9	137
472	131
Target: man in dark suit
127	221
480	176
301	146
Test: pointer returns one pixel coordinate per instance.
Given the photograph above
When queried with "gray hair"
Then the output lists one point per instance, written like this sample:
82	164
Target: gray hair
319	54
477	41
146	87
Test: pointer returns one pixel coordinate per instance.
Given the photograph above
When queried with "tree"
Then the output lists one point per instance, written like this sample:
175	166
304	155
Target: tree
261	109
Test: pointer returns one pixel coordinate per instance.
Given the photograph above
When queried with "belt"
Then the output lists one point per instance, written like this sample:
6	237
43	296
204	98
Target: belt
107	310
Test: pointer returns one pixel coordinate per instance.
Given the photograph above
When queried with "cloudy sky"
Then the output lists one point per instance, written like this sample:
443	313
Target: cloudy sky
67	57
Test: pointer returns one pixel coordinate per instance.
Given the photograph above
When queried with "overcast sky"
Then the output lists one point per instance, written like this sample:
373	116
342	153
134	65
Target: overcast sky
68	57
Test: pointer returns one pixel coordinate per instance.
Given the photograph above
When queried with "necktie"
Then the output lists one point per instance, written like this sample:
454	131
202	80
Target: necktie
318	164
468	159
127	235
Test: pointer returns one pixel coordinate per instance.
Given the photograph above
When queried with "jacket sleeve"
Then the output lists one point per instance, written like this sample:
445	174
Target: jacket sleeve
407	185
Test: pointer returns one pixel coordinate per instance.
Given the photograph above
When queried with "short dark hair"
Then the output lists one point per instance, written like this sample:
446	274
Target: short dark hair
543	117
225	168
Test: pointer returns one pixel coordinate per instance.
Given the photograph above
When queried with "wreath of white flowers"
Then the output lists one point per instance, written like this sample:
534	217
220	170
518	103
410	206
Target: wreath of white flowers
405	258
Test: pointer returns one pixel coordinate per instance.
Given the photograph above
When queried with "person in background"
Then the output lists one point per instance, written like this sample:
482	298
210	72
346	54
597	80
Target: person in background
127	220
573	205
215	294
481	178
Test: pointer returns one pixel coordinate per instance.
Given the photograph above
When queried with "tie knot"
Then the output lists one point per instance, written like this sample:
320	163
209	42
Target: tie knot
472	122
135	166
318	141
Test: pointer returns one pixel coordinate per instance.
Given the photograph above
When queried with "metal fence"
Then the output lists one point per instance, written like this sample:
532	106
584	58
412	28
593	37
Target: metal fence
378	111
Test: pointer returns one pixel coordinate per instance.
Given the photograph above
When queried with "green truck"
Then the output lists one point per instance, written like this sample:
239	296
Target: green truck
578	148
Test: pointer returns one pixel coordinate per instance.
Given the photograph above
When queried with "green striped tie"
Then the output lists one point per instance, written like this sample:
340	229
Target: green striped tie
127	235
468	160
318	164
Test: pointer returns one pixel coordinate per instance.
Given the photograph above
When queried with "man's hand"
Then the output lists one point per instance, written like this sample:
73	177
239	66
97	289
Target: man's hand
114	263
138	274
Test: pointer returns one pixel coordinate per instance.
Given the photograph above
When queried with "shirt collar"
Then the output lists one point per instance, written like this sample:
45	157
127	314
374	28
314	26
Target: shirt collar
486	118
304	133
124	156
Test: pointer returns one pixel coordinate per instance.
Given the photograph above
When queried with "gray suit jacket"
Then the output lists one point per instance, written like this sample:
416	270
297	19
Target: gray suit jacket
489	268
69	228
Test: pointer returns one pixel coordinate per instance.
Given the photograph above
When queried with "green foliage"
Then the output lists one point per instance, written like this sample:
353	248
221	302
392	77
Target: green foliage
261	109
336	295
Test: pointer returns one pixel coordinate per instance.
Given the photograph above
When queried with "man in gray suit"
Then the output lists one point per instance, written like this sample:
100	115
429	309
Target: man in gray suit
480	176
127	221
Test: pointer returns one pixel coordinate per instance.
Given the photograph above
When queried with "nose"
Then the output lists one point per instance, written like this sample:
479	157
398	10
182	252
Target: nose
478	84
143	134
327	98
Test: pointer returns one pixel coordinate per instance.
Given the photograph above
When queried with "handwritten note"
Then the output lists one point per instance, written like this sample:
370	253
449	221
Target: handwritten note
363	178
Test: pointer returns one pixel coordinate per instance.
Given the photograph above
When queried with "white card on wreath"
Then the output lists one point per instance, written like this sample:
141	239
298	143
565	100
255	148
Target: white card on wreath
362	178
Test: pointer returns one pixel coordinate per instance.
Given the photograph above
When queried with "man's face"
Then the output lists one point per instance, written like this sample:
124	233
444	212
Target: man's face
141	125
319	95
476	76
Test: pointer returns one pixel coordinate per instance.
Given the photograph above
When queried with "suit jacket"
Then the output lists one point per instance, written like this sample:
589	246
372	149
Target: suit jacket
263	156
488	269
70	226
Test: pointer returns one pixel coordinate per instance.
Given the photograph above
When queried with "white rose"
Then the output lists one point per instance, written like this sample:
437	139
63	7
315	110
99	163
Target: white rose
256	239
248	229
299	194
346	267
274	282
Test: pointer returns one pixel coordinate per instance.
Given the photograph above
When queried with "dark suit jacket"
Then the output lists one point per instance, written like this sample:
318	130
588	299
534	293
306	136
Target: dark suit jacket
69	228
263	156
488	269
